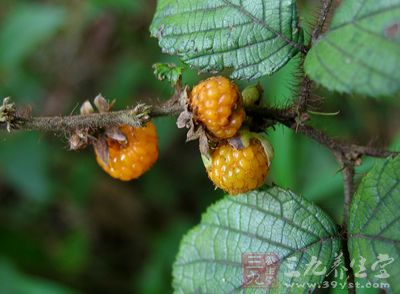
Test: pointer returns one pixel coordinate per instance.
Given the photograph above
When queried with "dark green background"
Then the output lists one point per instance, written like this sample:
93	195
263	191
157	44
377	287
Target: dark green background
65	226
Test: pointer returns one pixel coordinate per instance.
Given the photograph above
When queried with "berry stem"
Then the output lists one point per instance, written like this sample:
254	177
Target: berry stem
136	117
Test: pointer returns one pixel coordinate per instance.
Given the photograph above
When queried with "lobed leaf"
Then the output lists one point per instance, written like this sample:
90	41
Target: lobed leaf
361	51
168	71
254	37
269	220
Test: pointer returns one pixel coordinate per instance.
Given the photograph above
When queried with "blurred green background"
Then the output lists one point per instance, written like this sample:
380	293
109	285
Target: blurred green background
65	226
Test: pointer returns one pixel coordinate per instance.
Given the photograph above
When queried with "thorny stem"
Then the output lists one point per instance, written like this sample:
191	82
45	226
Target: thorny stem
304	96
67	124
323	15
347	260
349	189
143	113
288	117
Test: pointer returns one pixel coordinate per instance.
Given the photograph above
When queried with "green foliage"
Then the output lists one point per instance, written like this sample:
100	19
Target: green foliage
255	38
23	153
361	51
158	267
25	28
168	71
12	281
270	220
375	223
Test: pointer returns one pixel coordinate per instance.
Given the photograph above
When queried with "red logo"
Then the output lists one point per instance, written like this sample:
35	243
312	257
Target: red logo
260	269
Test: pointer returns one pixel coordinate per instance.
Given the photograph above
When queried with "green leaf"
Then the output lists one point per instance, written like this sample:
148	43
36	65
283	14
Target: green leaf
361	51
168	71
255	38
24	164
26	27
374	224
12	281
270	220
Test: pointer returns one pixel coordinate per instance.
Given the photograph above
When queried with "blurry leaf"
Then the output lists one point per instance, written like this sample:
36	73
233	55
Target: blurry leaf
283	168
374	224
322	175
163	178
396	143
73	252
255	38
131	6
367	291
361	51
168	71
26	27
156	275
14	282
22	248
271	221
82	177
167	132
125	79
24	164
281	87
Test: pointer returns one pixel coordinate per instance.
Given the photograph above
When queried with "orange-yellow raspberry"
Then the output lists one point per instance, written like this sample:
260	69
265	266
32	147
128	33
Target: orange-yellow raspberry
239	171
131	160
217	104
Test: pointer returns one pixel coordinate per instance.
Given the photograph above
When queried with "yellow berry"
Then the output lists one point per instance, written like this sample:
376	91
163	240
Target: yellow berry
239	171
217	104
129	161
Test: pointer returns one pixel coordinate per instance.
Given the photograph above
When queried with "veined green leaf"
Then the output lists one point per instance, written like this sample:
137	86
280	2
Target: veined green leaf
255	37
374	225
271	221
361	51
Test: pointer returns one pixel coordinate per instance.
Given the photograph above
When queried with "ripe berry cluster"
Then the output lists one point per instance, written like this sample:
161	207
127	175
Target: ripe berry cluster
238	162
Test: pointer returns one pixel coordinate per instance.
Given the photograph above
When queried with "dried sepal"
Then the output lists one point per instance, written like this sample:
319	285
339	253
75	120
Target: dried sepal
184	119
101	148
86	108
7	113
79	140
101	104
116	134
204	144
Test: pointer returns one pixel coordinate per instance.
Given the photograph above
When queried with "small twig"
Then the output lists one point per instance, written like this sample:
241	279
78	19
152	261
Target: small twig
304	97
142	113
325	8
347	260
348	185
349	189
66	124
288	117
